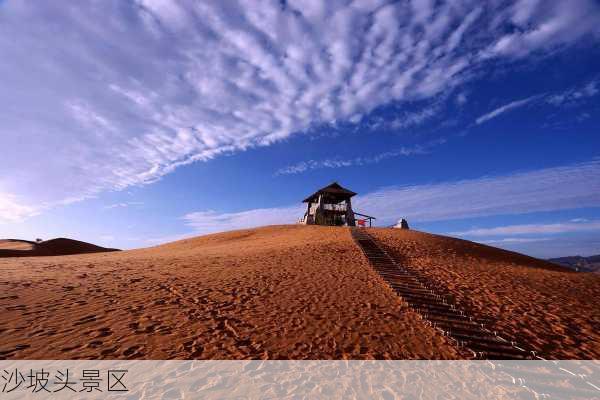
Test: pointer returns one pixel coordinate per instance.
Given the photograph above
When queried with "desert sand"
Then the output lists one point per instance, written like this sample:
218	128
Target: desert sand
281	292
277	292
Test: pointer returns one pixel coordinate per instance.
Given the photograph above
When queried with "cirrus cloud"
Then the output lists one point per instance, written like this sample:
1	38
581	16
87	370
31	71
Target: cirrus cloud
102	95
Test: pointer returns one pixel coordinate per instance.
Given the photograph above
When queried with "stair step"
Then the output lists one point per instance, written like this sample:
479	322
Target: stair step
443	320
457	328
416	290
486	339
421	296
498	355
491	348
396	280
424	300
446	315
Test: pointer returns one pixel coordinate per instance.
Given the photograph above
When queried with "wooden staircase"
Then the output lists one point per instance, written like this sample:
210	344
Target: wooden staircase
421	296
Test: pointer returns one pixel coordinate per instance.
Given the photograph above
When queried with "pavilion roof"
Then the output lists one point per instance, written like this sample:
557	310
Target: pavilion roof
334	189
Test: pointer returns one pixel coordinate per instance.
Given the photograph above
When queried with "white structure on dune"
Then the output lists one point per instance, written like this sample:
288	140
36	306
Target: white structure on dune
402	224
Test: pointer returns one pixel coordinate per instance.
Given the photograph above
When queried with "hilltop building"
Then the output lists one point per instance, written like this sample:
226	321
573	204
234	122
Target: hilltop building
331	205
402	224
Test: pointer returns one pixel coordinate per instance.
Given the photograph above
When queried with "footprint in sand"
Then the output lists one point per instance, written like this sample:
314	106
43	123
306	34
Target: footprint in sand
102	332
137	310
10	353
164	330
95	343
112	350
85	320
151	328
197	352
192	348
18	307
133	351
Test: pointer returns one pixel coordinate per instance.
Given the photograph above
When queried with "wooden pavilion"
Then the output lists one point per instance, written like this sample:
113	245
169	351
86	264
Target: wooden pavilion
331	205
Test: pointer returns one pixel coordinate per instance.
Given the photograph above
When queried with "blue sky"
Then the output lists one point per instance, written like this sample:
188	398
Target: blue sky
132	123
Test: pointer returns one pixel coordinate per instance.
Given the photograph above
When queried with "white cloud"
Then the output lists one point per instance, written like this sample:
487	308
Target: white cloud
304	166
567	97
571	96
399	122
120	96
556	188
137	97
211	221
568	187
11	210
123	204
87	117
514	240
503	109
579	220
542	25
414	118
563	227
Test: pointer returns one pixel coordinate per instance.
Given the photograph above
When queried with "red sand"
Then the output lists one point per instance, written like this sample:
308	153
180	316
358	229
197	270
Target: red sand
277	292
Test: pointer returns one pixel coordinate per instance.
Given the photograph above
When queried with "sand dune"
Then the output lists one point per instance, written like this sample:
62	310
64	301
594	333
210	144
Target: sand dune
15	244
52	247
299	292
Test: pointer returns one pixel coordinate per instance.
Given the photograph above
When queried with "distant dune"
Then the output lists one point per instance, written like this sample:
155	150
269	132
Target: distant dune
53	247
579	263
284	292
16	244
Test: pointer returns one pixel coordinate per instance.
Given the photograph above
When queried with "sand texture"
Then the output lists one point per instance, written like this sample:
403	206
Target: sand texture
284	292
550	309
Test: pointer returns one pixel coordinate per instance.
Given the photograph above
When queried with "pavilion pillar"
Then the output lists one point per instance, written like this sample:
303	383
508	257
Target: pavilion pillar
350	220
